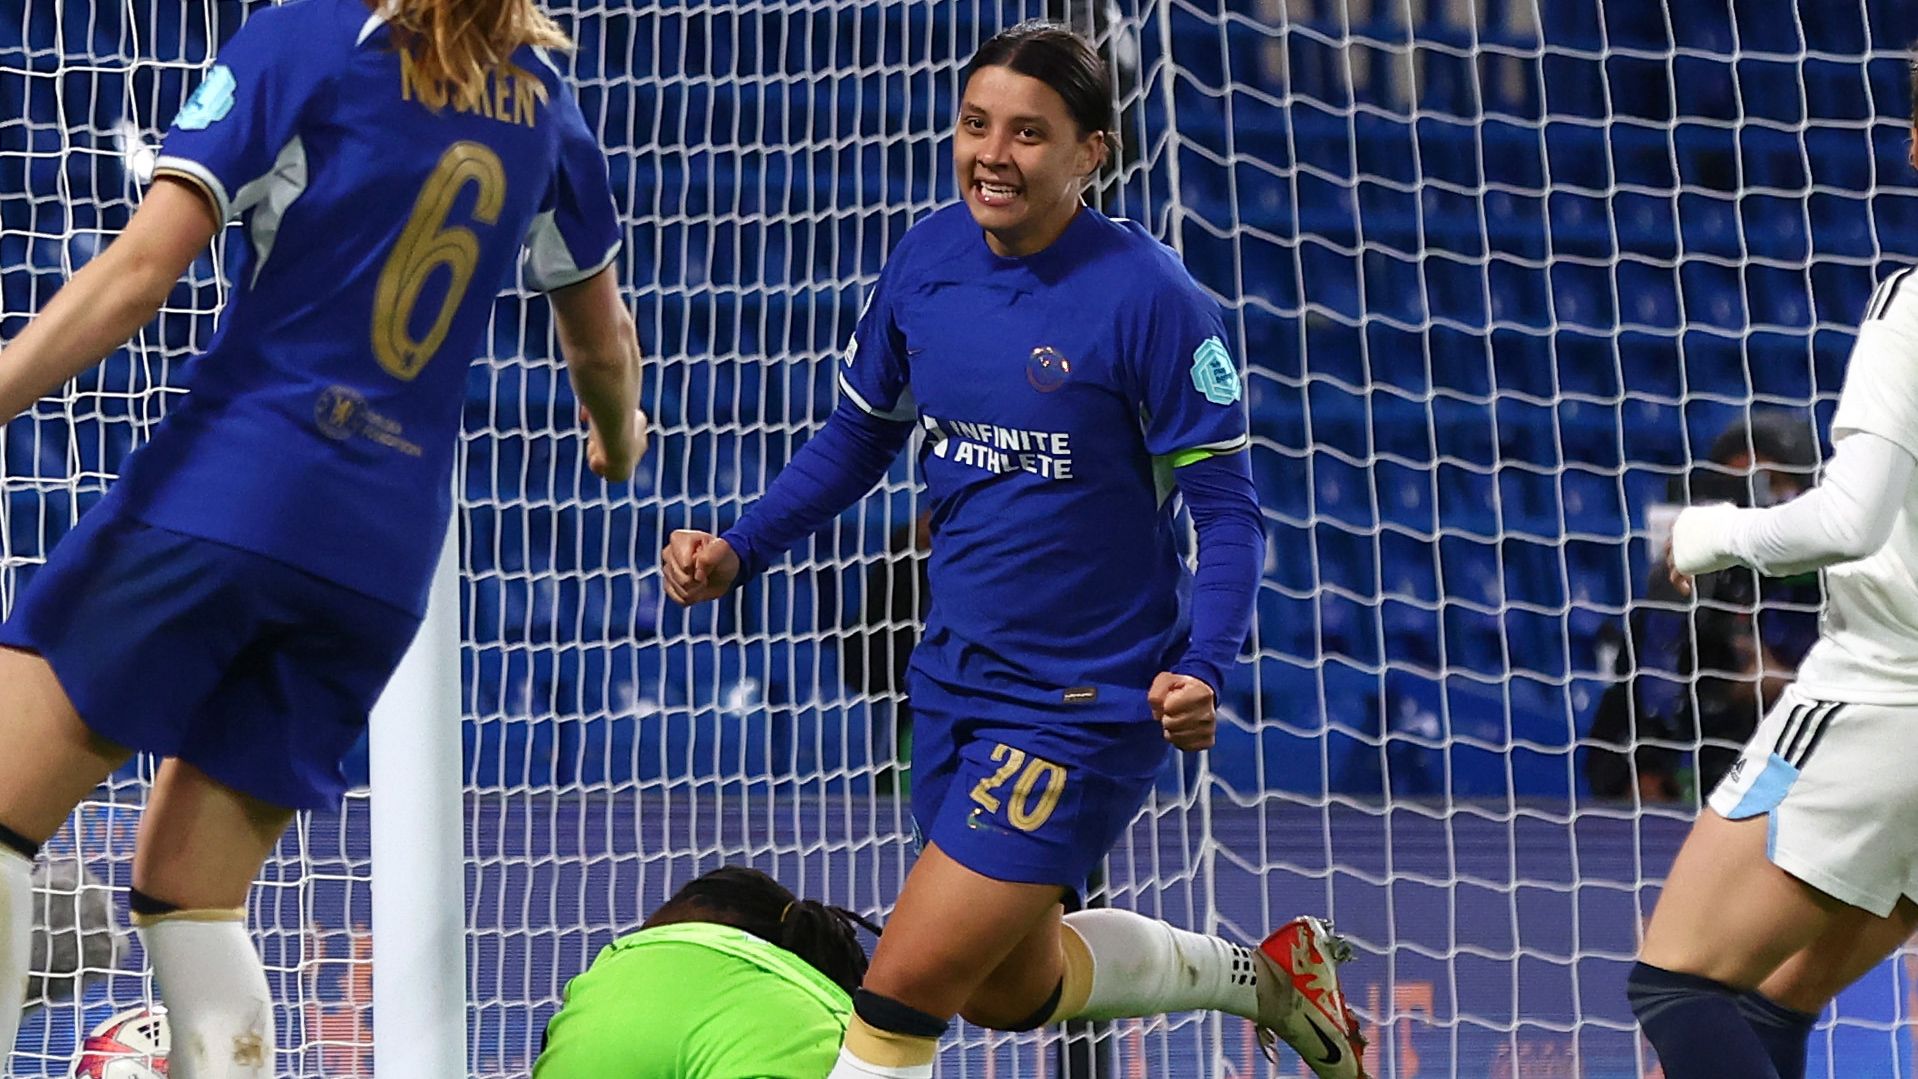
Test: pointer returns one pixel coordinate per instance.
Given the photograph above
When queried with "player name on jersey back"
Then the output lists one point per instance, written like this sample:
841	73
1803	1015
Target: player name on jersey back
509	95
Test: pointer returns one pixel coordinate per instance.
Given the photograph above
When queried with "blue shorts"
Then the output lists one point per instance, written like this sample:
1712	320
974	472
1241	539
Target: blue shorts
1019	792
258	674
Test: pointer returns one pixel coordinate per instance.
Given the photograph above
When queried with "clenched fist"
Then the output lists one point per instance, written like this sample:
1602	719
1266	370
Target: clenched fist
1185	708
613	455
697	566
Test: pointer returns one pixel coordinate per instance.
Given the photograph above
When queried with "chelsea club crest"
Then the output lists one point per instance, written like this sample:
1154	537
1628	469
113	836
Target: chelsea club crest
1047	369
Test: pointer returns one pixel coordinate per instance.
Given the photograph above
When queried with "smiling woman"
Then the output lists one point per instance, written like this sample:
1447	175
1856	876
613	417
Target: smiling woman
1068	375
1034	127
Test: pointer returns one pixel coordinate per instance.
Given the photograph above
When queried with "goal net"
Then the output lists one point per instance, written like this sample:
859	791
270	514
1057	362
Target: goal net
1501	271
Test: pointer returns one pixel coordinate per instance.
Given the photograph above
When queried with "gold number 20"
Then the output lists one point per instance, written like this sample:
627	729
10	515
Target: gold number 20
1021	813
428	243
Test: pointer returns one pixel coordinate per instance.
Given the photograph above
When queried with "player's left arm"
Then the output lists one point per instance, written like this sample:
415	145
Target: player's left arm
110	298
1192	395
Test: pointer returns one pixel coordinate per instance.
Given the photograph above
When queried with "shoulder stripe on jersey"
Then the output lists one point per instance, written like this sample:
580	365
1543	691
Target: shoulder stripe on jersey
1887	292
900	413
372	23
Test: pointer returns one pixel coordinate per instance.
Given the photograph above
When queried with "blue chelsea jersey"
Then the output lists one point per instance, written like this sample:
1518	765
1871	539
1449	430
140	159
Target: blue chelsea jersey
1054	394
380	221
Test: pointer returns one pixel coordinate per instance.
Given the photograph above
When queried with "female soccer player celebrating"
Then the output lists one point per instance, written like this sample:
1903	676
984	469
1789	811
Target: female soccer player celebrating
1801	874
1067	373
733	976
241	596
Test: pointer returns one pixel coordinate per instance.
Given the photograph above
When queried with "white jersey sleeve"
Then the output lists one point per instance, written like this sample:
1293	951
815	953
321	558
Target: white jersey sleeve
1849	515
1881	383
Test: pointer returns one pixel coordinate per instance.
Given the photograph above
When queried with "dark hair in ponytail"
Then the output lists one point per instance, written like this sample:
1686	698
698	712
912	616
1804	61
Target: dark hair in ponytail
823	936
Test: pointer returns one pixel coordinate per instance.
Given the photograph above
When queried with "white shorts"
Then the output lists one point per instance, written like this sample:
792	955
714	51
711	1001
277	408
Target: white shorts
1841	793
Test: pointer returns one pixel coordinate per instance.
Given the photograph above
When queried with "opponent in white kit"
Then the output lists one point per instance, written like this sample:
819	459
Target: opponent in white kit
1800	876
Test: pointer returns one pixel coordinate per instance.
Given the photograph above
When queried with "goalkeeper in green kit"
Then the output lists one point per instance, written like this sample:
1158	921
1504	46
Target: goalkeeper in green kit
733	978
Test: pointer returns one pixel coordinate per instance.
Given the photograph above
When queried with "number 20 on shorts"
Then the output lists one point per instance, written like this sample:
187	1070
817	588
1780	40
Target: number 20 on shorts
1034	795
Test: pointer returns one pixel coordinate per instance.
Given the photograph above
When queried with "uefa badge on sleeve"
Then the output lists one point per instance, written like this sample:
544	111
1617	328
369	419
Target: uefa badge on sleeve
1214	374
210	102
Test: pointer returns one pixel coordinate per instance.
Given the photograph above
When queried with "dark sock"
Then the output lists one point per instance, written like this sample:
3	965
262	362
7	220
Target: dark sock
145	905
889	1015
1044	1014
27	848
1696	1026
1785	1032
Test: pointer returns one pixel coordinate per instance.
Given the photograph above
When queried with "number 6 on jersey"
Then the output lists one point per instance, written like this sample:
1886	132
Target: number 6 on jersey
427	243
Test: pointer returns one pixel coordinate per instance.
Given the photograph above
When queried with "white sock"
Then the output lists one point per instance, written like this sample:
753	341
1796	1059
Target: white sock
16	939
214	985
1142	966
851	1067
870	1053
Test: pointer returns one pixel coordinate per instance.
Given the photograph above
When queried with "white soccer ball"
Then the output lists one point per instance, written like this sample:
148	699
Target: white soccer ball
131	1045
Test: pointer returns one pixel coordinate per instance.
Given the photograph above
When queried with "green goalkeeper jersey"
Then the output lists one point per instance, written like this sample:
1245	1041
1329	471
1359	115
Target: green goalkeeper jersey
694	1000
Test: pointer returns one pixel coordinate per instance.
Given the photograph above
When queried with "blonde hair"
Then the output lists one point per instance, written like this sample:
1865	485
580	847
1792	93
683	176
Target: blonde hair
456	43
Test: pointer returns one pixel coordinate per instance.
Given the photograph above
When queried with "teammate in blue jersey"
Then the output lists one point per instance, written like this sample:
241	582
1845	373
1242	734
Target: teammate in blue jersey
242	594
1067	377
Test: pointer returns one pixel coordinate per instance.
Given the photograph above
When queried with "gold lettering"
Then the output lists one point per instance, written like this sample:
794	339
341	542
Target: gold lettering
508	95
406	76
524	98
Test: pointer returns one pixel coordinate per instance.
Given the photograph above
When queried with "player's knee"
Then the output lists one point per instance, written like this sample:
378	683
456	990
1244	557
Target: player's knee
996	1011
884	1013
1654	991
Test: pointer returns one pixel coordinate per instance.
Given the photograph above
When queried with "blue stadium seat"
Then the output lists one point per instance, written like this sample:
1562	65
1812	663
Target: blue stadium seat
1646	223
1461	360
1841	224
1469	570
1772	159
1405	496
1781	365
1768	26
1467	500
1778	297
1775	227
1592	503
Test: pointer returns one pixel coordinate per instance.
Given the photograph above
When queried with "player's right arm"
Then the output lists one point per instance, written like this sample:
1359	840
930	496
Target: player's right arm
110	297
1851	512
833	470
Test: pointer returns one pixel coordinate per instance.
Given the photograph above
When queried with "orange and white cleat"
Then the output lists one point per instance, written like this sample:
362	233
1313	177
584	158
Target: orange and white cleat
1301	1004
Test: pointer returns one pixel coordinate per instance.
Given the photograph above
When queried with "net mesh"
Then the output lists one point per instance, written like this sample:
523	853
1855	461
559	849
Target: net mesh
1502	273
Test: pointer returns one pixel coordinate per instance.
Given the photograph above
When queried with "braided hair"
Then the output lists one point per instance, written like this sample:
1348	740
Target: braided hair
745	898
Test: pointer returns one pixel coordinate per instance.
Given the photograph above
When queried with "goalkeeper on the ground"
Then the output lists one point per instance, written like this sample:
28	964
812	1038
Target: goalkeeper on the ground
733	978
1802	873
